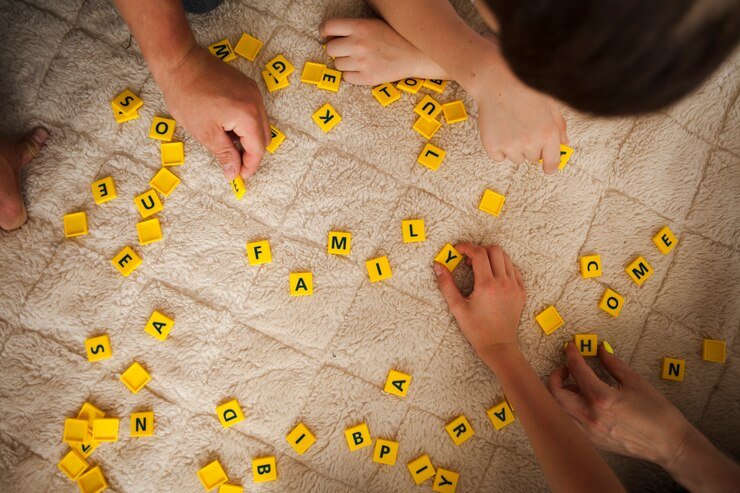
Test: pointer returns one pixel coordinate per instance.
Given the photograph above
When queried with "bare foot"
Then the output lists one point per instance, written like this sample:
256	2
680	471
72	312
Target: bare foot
14	156
371	52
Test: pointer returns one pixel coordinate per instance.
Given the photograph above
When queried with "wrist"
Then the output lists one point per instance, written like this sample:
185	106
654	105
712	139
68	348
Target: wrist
166	63
501	355
488	70
678	453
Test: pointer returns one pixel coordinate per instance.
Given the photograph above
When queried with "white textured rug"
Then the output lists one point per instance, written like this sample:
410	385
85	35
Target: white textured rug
322	360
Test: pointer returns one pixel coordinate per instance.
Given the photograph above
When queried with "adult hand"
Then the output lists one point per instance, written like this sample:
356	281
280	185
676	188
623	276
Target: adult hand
210	98
489	317
631	419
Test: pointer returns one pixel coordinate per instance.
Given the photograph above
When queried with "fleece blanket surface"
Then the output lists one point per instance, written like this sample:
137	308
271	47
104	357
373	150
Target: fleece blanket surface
323	360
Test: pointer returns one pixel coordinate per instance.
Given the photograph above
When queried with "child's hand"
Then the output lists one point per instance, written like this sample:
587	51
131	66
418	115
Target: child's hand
631	419
516	122
490	315
210	98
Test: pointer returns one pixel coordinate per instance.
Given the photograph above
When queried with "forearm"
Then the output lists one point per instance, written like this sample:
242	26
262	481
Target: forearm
162	31
435	28
567	458
699	466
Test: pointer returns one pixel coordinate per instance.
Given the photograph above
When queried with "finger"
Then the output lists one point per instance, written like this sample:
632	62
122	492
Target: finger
346	64
562	128
337	27
551	155
515	157
569	400
481	265
584	376
253	140
447	287
533	155
617	368
30	145
498	156
221	146
340	47
496	257
519	278
509	266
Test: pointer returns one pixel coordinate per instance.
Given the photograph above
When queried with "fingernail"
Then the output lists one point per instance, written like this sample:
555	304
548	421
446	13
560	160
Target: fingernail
565	345
608	347
437	268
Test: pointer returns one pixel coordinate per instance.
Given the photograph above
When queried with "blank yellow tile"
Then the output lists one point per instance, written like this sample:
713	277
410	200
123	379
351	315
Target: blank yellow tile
549	320
312	73
454	112
122	117
173	153
73	465
149	231
92	481
135	377
230	488
714	351
248	47
105	430
75	224
491	202
427	128
212	475
164	182
75	430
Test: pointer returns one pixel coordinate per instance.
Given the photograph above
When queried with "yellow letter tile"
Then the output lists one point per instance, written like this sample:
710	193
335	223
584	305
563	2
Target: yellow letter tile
223	50
273	84
330	80
449	257
162	128
212	475
665	240
491	202
386	452
587	344
421	469
428	108
264	469
173	153
431	157
446	481
148	203
258	252
164	182
459	430
339	243
410	85
590	266
126	261
276	138
127	102
237	186
611	302
397	383
279	67
501	415
673	369
413	230
159	325
142	424
454	112
427	128
149	231
326	117
301	284
378	269
229	413
386	93
713	351
98	348
103	190
436	85
358	437
639	270
300	438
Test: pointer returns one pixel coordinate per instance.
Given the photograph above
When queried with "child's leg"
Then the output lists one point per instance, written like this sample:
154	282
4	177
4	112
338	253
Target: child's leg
13	158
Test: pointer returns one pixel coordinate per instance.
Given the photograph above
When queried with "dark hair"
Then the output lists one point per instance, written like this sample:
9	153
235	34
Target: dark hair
613	57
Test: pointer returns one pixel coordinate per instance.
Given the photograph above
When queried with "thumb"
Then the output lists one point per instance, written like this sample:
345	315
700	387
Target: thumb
448	288
617	368
221	146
